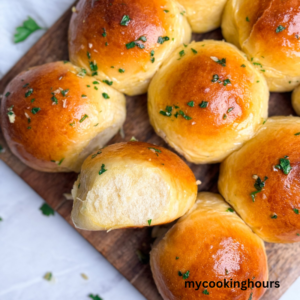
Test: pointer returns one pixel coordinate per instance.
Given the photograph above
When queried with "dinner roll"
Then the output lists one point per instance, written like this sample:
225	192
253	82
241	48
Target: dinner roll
296	100
262	180
207	100
123	42
203	15
208	245
132	185
53	116
269	33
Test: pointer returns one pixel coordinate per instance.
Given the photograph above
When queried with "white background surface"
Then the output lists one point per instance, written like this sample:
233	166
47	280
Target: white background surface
32	244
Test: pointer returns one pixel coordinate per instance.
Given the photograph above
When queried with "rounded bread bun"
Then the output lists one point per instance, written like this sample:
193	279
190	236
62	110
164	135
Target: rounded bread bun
207	100
296	100
125	41
53	116
268	32
262	181
209	243
203	15
132	185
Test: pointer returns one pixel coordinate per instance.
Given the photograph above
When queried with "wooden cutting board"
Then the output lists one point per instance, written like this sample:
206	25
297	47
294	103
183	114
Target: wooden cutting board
120	246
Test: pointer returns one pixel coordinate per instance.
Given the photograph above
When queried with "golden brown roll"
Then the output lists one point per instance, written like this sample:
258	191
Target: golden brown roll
262	180
296	100
268	32
207	100
209	244
203	15
132	185
125	41
53	116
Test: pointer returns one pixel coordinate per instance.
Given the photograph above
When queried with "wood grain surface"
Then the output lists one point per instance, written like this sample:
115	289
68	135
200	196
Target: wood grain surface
120	246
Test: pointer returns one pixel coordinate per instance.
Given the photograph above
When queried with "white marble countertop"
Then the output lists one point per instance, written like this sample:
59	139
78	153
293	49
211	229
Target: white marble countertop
33	244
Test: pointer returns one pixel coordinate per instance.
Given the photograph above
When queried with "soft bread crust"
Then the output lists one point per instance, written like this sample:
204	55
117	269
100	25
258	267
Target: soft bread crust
58	137
296	100
208	136
252	24
213	244
149	18
280	195
203	15
143	182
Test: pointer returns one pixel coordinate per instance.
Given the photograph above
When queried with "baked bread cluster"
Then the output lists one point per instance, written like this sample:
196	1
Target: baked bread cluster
207	99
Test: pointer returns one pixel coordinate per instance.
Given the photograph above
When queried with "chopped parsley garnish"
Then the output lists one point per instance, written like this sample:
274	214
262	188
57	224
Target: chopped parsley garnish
1	219
250	298
230	209
215	78
181	53
167	112
259	185
125	20
105	96
60	162
25	85
298	133
279	28
149	222
93	66
224	116
203	104
98	152
296	211
47	210
226	81
28	93
121	70
88	55
96	88
48	276
156	151
35	110
64	92
274	216
130	45
54	99
162	39
107	82
83	118
95	82
95	297
194	51
177	258
152	59
221	62
23	32
230	109
184	115
104	32
102	170
191	103
166	11
284	165
247	19
243	66
72	124
83	96
142	38
82	73
205	292
1	149
182	13
186	275
7	94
